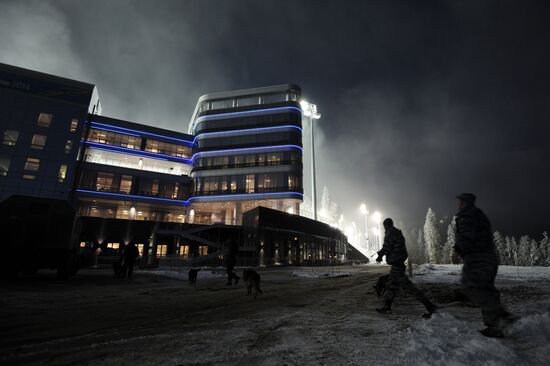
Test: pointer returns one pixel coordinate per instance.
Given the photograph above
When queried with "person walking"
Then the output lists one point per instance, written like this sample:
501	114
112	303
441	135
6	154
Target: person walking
129	256
231	261
396	254
474	245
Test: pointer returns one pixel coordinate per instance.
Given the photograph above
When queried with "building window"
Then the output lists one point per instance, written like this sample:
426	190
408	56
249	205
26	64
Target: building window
250	183
38	142
45	119
10	137
74	125
203	250
113	138
125	184
161	250
62	173
32	164
184	251
140	249
29	176
4	166
68	146
104	182
114	246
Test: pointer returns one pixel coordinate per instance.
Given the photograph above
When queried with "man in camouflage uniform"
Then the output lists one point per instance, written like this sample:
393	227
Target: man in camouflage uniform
396	254
474	244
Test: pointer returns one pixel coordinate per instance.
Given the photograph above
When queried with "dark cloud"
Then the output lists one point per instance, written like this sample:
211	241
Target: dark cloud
420	100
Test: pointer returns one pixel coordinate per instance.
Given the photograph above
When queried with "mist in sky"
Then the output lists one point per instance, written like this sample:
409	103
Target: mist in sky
420	101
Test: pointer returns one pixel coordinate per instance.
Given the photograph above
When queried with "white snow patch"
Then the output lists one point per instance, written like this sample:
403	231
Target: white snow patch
446	340
322	274
450	273
184	274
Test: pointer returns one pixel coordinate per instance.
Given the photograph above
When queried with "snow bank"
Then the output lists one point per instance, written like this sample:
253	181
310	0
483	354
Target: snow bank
184	274
446	340
450	273
305	274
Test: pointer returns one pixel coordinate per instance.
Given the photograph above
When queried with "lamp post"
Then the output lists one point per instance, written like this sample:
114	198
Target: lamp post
377	216
310	110
365	211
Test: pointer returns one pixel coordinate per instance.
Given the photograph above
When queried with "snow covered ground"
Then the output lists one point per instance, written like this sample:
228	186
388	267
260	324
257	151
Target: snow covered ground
157	318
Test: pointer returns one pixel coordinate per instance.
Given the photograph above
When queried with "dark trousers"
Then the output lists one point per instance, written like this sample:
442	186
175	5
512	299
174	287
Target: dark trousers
478	281
398	279
128	269
230	274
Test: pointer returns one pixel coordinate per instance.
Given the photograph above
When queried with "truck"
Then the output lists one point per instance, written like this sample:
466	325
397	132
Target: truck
38	233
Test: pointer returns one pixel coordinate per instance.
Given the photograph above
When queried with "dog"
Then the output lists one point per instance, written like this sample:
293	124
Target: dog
193	275
380	286
252	279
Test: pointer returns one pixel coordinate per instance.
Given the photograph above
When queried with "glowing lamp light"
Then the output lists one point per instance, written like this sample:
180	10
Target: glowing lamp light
363	209
377	216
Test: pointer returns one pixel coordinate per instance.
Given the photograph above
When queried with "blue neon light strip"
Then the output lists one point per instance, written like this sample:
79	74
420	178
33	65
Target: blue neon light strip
187	202
123	129
139	152
247	130
131	196
106	129
247	195
247	149
127	153
246	112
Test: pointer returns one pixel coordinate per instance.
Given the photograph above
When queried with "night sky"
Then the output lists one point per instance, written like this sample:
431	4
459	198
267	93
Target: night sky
420	100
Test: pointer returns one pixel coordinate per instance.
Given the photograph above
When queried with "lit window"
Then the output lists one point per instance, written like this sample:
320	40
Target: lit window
140	249
45	119
68	146
4	166
10	137
32	164
29	176
74	125
184	251
125	184
38	142
203	250
62	173
113	245
161	250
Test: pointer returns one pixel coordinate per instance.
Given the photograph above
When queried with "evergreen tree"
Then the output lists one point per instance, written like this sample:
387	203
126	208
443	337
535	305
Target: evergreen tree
432	238
523	251
500	246
448	248
545	249
534	253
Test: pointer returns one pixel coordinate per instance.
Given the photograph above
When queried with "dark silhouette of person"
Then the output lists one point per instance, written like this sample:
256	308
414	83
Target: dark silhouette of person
396	254
230	261
474	245
129	255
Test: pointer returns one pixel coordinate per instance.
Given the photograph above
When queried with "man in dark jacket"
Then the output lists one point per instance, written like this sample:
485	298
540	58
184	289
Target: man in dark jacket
129	255
396	254
474	244
231	260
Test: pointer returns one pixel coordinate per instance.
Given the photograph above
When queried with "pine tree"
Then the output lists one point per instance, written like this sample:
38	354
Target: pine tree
432	237
534	253
500	246
545	249
523	250
420	247
448	248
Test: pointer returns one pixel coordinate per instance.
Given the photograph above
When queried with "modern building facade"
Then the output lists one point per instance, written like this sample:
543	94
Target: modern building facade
247	153
172	193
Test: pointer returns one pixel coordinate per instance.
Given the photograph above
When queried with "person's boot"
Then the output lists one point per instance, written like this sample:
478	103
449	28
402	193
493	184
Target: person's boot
430	308
386	309
492	332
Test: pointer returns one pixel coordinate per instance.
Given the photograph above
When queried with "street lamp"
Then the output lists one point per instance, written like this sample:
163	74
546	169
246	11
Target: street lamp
310	110
377	217
365	212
